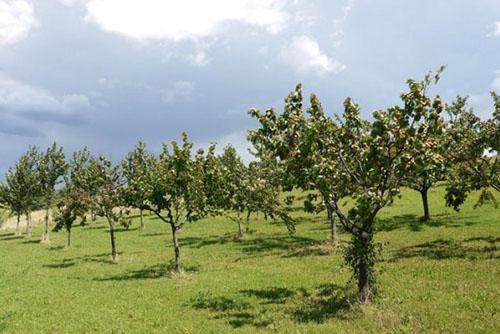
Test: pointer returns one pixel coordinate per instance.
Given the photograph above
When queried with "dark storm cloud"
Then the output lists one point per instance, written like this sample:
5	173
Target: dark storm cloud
84	85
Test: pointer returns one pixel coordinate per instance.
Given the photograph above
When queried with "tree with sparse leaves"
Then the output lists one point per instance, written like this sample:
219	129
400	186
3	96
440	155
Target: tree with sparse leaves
366	160
136	168
102	182
24	179
237	187
51	168
74	202
12	196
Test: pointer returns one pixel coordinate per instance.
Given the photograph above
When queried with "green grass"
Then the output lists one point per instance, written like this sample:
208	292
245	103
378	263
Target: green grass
437	277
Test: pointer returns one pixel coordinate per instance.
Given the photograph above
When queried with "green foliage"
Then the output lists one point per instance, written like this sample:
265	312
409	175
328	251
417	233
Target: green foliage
74	200
366	160
473	152
136	169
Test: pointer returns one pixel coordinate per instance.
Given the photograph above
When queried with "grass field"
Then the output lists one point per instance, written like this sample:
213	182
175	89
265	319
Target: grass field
437	277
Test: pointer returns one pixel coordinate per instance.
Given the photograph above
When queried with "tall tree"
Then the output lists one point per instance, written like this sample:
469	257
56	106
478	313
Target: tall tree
366	160
176	190
136	168
51	168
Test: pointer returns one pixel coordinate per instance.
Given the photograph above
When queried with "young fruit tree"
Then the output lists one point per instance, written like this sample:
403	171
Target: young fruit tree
12	196
312	139
73	201
367	160
251	189
237	188
27	176
136	168
473	152
176	190
428	164
265	186
102	183
51	168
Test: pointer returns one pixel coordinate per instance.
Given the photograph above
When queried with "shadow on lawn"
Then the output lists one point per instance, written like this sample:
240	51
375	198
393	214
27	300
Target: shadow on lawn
414	222
151	272
70	262
472	248
300	305
9	236
282	244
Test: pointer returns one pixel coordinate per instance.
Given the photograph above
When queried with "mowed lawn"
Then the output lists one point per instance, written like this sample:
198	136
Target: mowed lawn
437	277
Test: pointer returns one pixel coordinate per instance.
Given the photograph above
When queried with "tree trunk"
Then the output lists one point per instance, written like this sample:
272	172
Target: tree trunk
425	202
363	268
248	221
28	224
45	237
69	236
18	221
113	244
142	219
177	250
333	224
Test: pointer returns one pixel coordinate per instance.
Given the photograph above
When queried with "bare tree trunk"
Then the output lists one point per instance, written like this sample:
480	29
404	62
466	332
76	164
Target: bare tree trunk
142	219
112	235
18	221
239	236
364	270
28	224
45	237
425	202
177	249
248	221
333	224
69	236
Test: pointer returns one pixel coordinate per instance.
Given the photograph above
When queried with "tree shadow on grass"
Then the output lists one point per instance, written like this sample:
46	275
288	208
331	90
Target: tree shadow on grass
9	236
472	248
325	302
151	272
300	305
235	311
414	223
281	244
31	241
69	262
272	295
197	242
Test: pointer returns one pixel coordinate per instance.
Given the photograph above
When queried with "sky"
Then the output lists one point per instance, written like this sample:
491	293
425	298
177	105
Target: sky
107	73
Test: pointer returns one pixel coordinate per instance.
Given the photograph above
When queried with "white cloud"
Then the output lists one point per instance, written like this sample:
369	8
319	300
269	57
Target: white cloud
305	56
496	31
17	98
200	58
181	90
70	3
339	22
187	19
237	139
16	20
